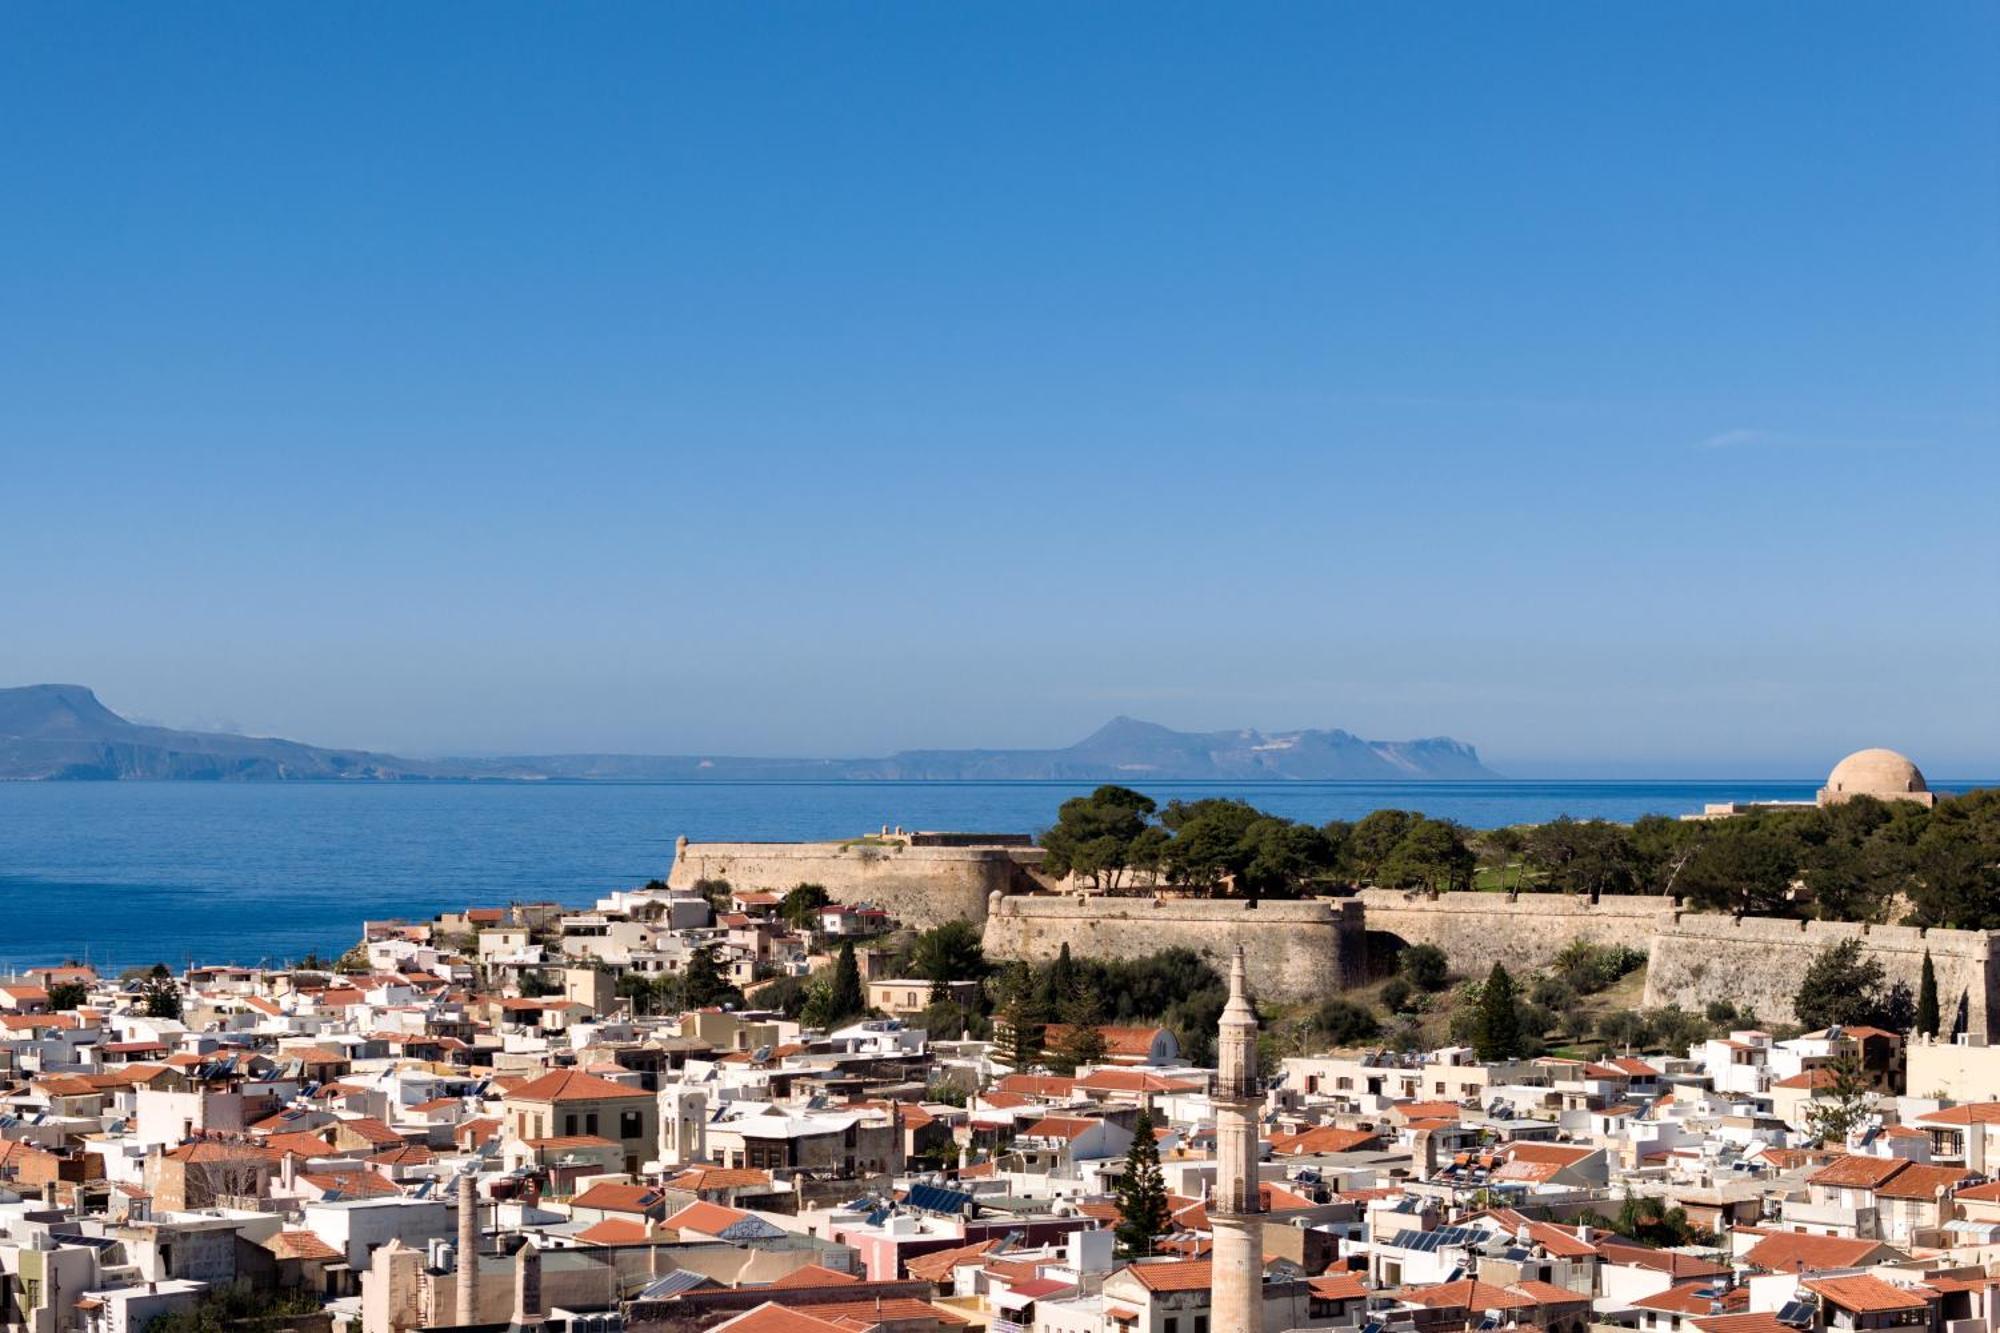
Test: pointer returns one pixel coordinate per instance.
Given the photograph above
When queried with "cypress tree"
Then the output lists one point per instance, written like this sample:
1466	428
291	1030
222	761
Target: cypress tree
846	999
1498	1035
1928	1019
1142	1192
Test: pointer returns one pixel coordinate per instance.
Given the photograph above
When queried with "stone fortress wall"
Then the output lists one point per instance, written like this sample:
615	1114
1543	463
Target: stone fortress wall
1308	949
919	886
1298	950
1755	963
1477	930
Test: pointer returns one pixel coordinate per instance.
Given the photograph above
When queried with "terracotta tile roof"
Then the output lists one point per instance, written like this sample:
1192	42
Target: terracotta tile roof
1866	1294
613	1197
1920	1180
1857	1172
1547	1293
1324	1139
1974	1113
300	1143
369	1128
775	1318
476	1131
1339	1287
815	1275
223	1152
1760	1322
616	1231
30	1022
1558	1154
1130	1042
697	1178
567	1085
302	1245
1791	1252
1060	1127
1134	1080
1005	1101
1469	1294
938	1265
1175	1275
710	1219
1811	1080
1632	1254
889	1311
1987	1193
1690	1298
1037	1085
410	1154
1278	1199
350	1184
1559	1241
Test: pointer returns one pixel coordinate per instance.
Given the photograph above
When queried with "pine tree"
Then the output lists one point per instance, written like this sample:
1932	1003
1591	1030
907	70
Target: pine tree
703	983
1142	1192
1020	1020
1928	1019
1082	1041
1498	1034
846	1000
1845	1103
160	997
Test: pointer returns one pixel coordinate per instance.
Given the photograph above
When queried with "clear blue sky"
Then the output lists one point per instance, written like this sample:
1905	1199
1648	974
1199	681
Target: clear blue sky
1617	388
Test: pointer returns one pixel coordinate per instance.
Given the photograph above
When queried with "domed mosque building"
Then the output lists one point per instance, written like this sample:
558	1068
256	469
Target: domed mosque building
1882	774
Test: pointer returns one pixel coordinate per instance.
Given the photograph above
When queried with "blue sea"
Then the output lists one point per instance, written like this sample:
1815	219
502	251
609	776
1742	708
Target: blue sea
136	872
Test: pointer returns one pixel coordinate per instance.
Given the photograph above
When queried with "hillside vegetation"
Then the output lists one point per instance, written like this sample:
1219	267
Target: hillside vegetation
1862	860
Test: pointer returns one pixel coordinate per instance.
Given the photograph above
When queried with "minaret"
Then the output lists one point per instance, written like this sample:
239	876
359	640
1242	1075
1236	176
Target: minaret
468	1249
1235	1214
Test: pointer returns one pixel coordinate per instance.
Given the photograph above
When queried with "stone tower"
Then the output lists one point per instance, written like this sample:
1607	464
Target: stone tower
528	1310
1236	1213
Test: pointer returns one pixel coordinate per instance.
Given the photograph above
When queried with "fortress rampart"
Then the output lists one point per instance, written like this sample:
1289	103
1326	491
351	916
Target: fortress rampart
1757	963
919	886
1309	949
1477	930
1302	950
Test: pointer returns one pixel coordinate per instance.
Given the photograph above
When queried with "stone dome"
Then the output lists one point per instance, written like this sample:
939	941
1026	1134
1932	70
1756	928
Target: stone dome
1879	773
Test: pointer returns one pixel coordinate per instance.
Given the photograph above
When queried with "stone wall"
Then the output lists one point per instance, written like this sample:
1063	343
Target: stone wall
1757	963
1310	949
1296	950
919	886
1477	930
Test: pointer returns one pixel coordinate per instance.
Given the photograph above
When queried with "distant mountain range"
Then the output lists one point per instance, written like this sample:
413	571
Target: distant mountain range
62	733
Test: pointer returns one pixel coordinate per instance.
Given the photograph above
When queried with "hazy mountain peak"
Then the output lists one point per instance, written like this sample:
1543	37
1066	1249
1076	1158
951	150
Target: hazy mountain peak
53	710
63	731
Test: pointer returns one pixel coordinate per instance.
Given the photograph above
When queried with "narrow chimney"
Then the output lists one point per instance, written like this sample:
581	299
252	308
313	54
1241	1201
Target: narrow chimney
468	1249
